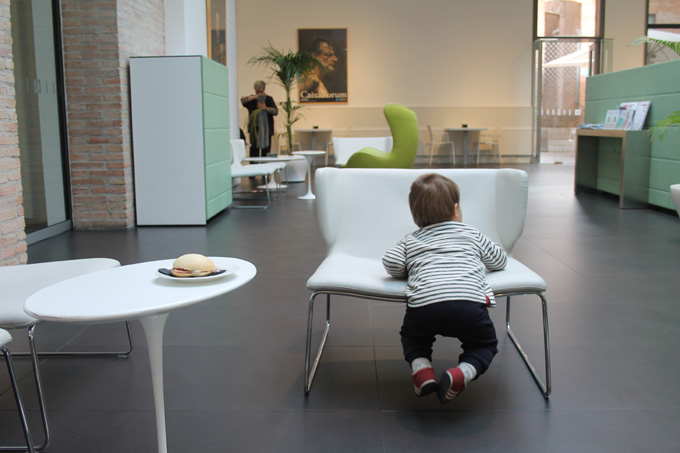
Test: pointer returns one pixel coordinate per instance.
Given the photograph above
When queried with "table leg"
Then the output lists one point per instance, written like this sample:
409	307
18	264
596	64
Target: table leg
153	329
272	185
309	195
465	147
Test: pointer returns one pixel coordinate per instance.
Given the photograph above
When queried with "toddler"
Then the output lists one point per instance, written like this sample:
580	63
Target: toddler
444	263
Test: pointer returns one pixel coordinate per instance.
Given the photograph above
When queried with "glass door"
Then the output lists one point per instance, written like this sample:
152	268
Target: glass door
40	115
567	48
561	67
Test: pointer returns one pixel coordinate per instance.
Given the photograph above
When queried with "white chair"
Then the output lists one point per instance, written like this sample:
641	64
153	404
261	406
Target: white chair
432	143
363	212
267	170
344	147
5	338
490	141
18	283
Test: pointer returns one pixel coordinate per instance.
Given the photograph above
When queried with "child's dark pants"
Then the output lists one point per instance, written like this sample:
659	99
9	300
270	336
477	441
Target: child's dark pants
462	319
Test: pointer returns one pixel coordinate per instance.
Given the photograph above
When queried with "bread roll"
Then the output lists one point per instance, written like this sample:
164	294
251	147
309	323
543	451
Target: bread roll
192	265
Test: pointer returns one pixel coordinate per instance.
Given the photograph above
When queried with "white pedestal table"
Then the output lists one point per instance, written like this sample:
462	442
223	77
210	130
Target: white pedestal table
309	155
137	291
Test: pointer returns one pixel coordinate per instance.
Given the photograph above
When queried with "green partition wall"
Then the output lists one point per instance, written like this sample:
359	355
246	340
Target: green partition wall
659	83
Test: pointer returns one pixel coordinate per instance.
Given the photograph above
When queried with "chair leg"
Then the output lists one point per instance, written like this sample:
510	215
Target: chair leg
119	354
310	369
41	399
39	388
269	201
22	414
546	388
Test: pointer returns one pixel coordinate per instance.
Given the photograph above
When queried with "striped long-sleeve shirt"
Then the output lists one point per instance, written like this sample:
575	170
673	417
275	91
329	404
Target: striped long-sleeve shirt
445	261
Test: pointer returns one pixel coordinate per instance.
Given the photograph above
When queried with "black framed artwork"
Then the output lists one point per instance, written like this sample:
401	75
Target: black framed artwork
327	82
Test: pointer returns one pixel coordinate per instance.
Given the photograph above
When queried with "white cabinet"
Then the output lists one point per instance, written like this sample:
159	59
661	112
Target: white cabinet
180	138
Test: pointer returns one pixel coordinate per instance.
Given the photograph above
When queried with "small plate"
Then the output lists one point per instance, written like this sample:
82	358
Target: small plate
166	274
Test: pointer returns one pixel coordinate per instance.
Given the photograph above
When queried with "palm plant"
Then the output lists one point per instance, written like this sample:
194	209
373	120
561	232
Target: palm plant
286	69
673	45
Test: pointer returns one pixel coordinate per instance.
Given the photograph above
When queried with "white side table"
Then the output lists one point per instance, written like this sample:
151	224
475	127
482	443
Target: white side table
272	184
309	155
136	292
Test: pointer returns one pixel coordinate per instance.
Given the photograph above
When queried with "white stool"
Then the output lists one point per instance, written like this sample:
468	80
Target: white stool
20	282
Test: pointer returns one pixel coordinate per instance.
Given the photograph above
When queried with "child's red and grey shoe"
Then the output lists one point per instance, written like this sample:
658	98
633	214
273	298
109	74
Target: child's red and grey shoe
424	381
450	385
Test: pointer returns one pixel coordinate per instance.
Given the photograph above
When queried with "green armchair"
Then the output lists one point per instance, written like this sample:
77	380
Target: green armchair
403	124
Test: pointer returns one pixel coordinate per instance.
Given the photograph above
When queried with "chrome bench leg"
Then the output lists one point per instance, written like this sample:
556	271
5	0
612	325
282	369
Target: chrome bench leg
310	369
546	388
22	414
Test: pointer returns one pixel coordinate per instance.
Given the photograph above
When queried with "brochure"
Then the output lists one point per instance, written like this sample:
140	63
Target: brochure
631	108
623	117
640	115
611	119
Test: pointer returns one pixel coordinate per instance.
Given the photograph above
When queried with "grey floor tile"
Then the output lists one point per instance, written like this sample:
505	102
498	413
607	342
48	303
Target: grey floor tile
234	366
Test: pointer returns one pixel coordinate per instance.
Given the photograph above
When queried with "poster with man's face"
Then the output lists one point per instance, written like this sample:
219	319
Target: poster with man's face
327	82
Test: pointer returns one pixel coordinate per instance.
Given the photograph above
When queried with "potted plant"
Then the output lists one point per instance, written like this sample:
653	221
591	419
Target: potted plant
286	69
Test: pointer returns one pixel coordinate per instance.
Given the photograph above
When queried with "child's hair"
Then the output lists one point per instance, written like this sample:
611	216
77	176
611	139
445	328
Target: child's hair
432	199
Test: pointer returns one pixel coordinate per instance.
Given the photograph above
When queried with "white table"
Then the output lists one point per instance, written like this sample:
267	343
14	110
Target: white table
309	155
136	292
313	132
282	158
455	134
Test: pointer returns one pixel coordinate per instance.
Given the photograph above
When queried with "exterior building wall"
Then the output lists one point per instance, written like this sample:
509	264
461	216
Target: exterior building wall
99	36
12	234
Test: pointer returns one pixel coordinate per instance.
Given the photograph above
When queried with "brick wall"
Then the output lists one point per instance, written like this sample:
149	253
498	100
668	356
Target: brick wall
99	36
12	235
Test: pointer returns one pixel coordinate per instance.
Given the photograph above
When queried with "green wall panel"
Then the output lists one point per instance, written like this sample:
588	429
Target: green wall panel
659	83
217	146
217	152
214	77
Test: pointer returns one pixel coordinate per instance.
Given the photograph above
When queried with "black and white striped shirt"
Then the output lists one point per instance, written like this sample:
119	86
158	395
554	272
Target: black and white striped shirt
445	261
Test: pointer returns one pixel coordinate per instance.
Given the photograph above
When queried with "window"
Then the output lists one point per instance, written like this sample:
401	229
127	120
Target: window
663	22
39	106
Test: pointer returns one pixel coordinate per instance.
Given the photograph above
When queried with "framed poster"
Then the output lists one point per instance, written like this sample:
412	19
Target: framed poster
327	82
217	30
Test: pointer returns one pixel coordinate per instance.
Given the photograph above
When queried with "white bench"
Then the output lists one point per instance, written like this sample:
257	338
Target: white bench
363	212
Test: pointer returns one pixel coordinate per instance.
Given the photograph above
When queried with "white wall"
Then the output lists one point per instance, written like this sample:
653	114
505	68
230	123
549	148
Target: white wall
453	61
232	59
625	21
185	27
424	53
186	34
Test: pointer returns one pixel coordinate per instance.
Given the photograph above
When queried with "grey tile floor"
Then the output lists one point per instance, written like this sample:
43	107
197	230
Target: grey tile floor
234	365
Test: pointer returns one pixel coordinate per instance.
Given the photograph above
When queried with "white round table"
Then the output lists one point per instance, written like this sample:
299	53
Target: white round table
136	292
309	155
